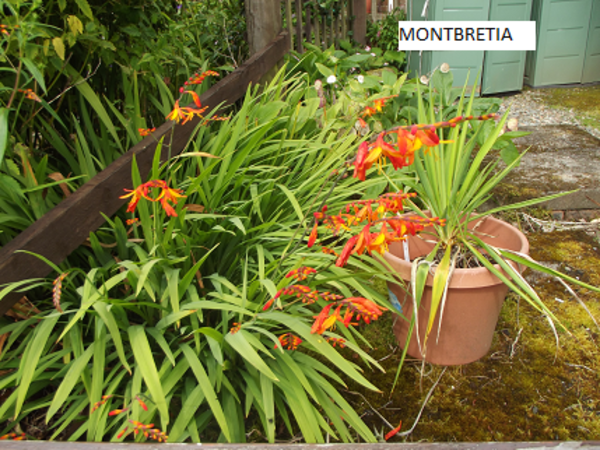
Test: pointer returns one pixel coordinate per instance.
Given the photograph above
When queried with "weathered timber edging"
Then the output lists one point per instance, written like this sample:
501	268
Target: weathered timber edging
67	226
38	445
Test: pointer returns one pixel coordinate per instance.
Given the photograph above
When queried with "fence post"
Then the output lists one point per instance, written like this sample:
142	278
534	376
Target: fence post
359	24
263	23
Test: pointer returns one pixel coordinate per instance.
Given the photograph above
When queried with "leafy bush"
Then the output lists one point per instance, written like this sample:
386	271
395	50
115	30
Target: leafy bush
79	79
165	323
383	34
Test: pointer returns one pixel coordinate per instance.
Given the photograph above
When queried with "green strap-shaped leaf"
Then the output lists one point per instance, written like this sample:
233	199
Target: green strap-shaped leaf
319	344
3	132
35	72
111	323
69	381
145	361
90	298
266	387
292	198
162	342
207	389
241	345
30	359
188	412
441	280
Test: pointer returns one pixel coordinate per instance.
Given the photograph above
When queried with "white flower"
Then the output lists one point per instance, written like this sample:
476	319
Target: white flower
445	68
385	64
373	54
360	79
367	49
424	79
331	79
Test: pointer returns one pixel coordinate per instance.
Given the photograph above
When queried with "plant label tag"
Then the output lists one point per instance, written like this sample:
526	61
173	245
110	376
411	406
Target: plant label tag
394	301
445	35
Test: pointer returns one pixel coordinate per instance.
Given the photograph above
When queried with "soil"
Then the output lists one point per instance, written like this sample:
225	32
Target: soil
526	388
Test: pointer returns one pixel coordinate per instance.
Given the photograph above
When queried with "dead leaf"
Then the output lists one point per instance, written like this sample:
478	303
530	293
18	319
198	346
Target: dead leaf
194	208
57	176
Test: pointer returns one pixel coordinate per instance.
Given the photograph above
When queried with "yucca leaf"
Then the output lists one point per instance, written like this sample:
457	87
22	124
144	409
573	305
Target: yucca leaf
441	280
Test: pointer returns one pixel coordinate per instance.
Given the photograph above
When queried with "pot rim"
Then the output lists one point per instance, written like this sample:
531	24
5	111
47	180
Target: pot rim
464	278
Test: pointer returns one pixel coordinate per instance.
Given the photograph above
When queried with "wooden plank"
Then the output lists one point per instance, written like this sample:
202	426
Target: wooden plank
344	12
288	19
359	24
332	32
336	30
298	14
68	225
325	42
308	26
263	23
317	27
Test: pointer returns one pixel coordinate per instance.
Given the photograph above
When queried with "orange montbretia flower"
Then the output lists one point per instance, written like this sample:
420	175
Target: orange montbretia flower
289	341
301	273
199	78
185	113
166	196
357	308
146	131
400	153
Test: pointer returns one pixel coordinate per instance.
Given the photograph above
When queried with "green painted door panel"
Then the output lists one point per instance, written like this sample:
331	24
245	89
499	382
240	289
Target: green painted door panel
461	63
562	33
503	71
591	66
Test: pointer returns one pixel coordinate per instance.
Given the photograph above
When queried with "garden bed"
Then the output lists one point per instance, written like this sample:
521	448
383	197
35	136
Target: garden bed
525	388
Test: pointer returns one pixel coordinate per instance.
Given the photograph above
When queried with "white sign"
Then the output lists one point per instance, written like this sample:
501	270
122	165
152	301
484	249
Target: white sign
467	35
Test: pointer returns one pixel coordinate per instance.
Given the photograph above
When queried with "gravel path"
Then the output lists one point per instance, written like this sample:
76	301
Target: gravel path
529	109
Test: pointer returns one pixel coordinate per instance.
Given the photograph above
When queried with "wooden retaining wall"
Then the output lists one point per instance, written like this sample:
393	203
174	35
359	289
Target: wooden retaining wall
68	225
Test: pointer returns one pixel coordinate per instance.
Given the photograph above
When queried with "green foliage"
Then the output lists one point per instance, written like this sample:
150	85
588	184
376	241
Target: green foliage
383	34
452	181
170	309
343	64
79	78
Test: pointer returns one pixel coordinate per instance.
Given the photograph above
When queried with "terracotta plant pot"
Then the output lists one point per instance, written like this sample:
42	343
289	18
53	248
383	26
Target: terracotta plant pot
475	298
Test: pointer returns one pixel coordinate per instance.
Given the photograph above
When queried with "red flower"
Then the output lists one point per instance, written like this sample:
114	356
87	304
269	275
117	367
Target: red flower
313	235
343	258
289	341
268	304
301	273
166	196
324	321
393	432
146	131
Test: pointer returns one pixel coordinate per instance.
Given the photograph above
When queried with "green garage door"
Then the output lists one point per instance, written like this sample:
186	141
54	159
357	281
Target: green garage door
563	28
591	65
461	63
503	71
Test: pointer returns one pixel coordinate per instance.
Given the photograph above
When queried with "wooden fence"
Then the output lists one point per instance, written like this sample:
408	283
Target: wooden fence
381	8
68	225
323	27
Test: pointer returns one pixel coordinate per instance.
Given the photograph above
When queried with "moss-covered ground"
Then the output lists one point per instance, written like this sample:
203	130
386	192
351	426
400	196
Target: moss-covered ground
584	100
526	388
